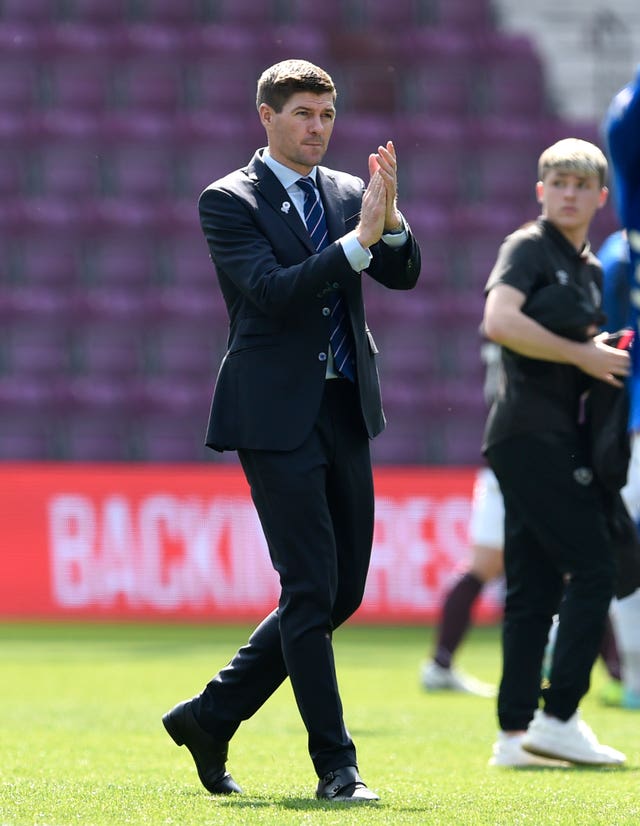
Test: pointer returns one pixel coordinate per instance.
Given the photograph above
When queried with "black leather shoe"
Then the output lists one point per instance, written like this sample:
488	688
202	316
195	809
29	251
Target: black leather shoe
344	786
209	754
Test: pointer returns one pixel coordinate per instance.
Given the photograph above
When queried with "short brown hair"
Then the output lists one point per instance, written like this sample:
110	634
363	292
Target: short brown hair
282	80
574	155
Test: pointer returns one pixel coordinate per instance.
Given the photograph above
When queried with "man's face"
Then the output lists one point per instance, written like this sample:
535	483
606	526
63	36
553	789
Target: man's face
299	135
570	199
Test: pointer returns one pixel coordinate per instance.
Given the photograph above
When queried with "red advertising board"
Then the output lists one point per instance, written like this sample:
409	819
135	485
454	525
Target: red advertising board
183	542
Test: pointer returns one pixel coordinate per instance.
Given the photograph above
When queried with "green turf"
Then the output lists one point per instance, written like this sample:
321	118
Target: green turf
81	740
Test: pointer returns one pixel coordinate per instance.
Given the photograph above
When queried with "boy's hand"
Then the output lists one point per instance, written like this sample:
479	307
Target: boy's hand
604	362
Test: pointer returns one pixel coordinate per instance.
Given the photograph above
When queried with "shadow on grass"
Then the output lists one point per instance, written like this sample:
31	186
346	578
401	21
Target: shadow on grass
309	804
295	803
569	767
246	801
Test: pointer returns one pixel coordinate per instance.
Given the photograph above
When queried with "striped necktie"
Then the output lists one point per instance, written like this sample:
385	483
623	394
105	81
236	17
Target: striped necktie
340	333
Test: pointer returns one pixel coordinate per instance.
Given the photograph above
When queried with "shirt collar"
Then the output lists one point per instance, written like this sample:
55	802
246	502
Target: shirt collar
559	239
287	177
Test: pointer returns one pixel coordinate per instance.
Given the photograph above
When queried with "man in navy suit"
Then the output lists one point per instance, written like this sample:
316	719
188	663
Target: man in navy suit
297	395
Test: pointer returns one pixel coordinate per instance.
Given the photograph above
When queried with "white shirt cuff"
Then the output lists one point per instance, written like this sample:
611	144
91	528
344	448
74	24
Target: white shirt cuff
396	239
358	257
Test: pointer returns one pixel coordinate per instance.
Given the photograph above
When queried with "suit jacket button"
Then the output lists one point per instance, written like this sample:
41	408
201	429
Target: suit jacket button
326	311
322	356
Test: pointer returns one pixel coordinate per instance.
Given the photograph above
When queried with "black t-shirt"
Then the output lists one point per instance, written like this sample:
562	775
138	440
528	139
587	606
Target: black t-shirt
535	395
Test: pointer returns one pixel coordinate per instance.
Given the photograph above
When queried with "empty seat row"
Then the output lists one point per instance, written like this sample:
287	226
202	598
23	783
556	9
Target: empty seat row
248	12
105	438
139	170
107	249
411	357
107	348
435	164
109	260
128	68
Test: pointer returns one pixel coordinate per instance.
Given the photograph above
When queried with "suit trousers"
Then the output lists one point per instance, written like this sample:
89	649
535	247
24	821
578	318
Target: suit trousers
558	559
316	508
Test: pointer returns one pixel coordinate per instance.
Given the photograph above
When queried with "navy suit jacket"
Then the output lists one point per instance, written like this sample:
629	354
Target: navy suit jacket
270	383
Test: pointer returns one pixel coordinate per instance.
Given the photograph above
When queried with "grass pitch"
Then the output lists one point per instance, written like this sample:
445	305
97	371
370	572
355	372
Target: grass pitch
82	741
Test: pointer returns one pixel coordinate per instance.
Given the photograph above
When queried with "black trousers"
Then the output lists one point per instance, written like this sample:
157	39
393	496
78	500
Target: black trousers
558	559
316	508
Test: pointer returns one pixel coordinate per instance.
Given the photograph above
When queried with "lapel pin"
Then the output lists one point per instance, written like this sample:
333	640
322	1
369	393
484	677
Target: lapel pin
286	206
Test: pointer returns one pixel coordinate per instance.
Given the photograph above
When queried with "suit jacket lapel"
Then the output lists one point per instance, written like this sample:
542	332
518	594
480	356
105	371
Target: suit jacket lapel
278	197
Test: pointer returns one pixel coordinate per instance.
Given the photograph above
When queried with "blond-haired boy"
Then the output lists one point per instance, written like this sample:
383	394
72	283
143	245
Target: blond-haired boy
558	554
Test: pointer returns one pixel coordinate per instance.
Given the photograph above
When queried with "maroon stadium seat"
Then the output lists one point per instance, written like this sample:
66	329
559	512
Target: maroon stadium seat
27	11
122	260
148	84
170	12
172	438
330	15
511	80
283	41
436	66
432	154
187	399
76	65
39	304
82	83
141	169
504	163
97	11
15	142
184	259
461	14
31	347
177	349
107	347
84	436
200	307
19	83
54	262
25	436
64	169
246	12
27	397
376	14
112	305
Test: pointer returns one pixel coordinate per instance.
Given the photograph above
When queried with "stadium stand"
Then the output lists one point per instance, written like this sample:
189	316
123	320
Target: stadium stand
115	114
588	49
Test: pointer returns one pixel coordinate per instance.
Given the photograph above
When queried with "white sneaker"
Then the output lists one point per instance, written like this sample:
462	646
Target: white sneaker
570	740
436	678
508	751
